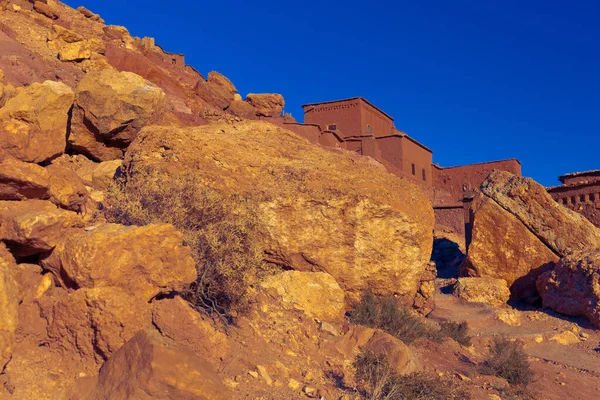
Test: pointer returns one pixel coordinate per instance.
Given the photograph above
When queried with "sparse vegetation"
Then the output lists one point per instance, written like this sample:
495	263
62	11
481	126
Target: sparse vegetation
388	315
508	360
378	381
456	331
221	230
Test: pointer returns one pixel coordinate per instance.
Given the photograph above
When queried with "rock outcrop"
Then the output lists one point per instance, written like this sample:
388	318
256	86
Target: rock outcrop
9	302
151	367
217	90
562	230
315	293
144	261
35	226
110	109
266	105
20	180
503	248
573	287
482	290
318	210
33	123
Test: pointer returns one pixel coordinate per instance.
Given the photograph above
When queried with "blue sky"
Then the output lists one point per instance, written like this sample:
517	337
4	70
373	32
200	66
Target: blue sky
473	80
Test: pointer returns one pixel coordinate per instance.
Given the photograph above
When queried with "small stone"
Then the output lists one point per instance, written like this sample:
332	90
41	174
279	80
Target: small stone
584	336
565	338
264	374
253	374
310	391
328	328
463	378
538	339
294	384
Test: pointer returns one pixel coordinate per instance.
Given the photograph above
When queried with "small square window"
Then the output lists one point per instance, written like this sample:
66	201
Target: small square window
332	127
592	198
414	169
582	198
573	200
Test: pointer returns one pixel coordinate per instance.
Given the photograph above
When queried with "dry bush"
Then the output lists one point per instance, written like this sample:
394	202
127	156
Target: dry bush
508	360
389	315
454	330
378	381
221	230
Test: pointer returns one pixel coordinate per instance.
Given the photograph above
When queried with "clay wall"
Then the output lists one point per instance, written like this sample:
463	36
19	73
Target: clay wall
581	178
374	121
453	182
310	132
450	219
416	161
584	199
391	150
345	115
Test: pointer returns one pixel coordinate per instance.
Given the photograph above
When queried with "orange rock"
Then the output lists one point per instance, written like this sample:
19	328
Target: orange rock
482	290
35	226
152	367
266	105
573	287
177	321
145	261
9	303
399	355
562	230
242	109
33	123
110	109
503	248
217	91
318	210
94	323
20	180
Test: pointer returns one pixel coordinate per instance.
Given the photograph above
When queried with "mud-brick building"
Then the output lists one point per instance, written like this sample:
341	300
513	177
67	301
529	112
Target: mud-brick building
580	191
357	125
369	131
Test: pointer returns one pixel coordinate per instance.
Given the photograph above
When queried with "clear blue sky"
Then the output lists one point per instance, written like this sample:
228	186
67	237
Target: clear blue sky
473	80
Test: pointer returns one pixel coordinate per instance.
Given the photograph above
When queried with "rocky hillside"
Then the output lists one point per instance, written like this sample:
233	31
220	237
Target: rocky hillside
159	241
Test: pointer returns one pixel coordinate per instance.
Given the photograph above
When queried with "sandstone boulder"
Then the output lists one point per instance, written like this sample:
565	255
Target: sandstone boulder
399	355
176	320
80	50
266	105
242	109
94	323
482	290
151	367
315	293
110	109
573	287
145	261
20	180
217	91
503	248
317	210
562	230
33	123
9	303
35	226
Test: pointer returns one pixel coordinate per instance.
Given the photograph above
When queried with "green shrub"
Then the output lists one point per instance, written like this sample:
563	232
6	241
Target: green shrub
508	360
378	381
221	230
388	315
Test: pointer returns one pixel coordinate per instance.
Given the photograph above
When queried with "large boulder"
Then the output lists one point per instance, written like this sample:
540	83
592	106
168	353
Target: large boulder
110	109
9	303
503	248
317	210
562	230
20	180
35	226
482	290
217	91
315	293
176	320
94	323
573	287
145	261
149	366
33	123
267	104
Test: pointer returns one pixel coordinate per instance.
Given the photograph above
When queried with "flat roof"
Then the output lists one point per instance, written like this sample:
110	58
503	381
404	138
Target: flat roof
349	99
576	174
481	163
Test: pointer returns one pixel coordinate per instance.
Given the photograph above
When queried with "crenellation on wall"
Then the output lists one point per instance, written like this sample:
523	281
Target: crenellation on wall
580	192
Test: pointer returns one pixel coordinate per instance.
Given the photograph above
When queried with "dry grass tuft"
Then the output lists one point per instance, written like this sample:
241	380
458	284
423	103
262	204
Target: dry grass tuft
221	230
508	360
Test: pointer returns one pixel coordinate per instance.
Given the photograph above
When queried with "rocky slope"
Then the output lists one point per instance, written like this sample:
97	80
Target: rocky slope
97	310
